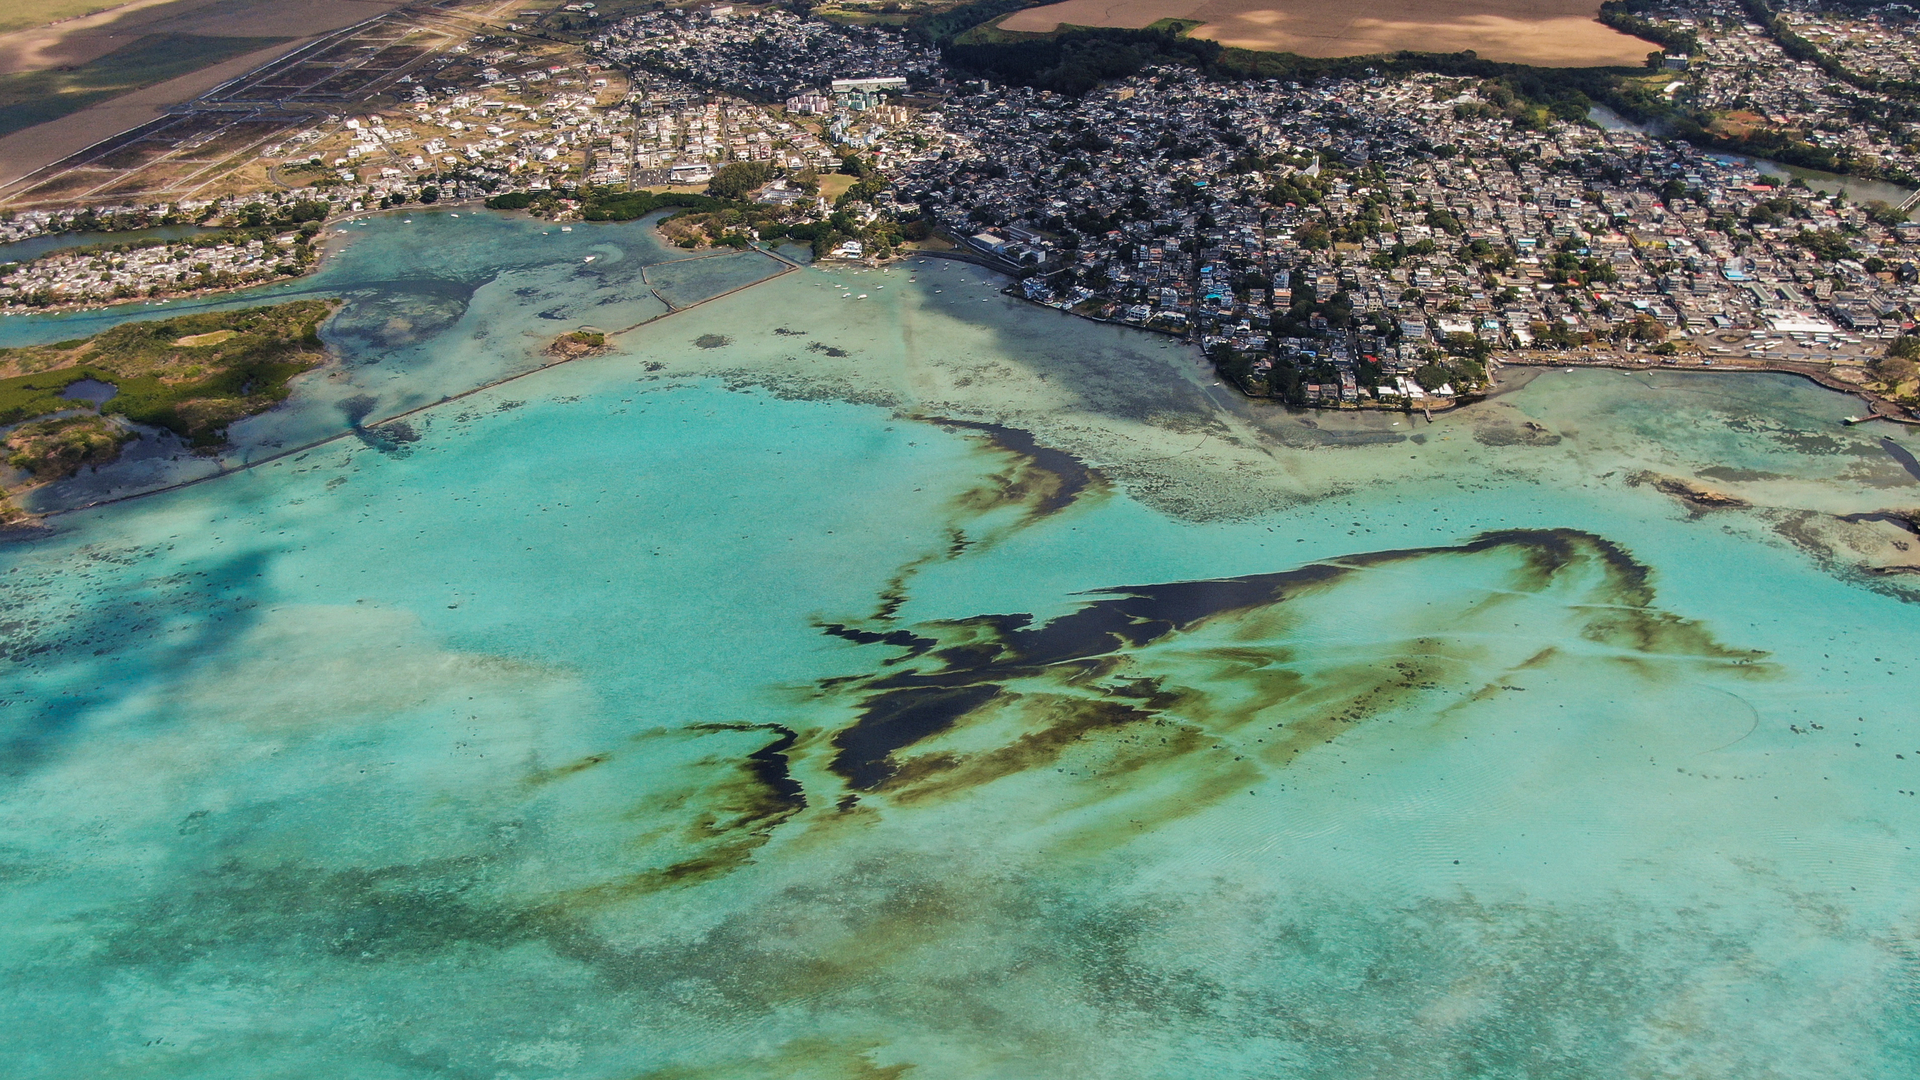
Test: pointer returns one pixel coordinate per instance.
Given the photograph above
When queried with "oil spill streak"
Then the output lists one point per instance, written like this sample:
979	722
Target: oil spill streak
899	719
1080	672
1903	522
1037	483
903	639
1072	476
771	767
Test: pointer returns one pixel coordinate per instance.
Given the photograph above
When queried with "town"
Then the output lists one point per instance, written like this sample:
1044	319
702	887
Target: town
1356	238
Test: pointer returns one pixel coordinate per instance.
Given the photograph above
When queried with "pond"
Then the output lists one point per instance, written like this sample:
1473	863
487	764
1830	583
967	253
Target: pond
92	390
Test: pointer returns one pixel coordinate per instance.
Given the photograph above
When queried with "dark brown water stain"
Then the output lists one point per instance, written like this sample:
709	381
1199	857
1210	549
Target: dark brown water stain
1054	480
540	777
901	639
770	764
724	809
1907	521
1075	674
1036	481
802	1059
1203	683
1173	696
1695	497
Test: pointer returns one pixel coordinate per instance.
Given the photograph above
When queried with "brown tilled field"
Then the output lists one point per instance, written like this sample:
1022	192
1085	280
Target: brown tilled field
1545	33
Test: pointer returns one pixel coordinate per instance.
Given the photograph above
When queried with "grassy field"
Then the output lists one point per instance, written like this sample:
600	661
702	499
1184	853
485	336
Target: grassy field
56	449
192	375
35	97
26	14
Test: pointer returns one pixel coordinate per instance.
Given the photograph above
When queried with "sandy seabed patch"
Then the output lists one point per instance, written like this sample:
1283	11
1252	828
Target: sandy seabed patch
1546	33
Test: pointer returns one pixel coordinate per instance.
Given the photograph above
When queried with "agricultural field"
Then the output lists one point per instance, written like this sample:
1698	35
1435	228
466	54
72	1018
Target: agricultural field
28	98
1543	33
69	85
27	14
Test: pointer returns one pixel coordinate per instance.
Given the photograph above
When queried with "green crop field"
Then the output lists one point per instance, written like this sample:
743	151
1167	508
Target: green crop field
26	14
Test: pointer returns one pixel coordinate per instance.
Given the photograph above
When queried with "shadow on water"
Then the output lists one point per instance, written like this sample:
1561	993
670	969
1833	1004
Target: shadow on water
387	315
133	635
1902	455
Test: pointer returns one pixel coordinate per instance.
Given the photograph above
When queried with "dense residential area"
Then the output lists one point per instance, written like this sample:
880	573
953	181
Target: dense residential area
1437	230
1351	236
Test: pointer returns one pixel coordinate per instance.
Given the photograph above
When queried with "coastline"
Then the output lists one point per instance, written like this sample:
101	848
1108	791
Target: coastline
1438	405
320	254
1879	406
30	521
1813	373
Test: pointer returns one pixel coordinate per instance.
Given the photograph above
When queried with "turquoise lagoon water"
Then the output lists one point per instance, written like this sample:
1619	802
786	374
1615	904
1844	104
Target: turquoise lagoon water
925	685
34	247
435	304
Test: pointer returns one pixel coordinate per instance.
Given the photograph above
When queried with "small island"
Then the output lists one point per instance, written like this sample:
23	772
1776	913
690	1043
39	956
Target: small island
74	404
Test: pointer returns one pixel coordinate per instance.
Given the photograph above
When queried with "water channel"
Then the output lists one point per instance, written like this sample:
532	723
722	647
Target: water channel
36	246
1854	188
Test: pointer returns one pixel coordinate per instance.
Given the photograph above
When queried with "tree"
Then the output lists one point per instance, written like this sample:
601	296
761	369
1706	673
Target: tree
1313	236
1894	370
1471	345
1646	328
1432	376
735	179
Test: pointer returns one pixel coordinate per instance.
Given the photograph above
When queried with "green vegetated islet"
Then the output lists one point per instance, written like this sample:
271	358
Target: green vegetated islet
192	375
